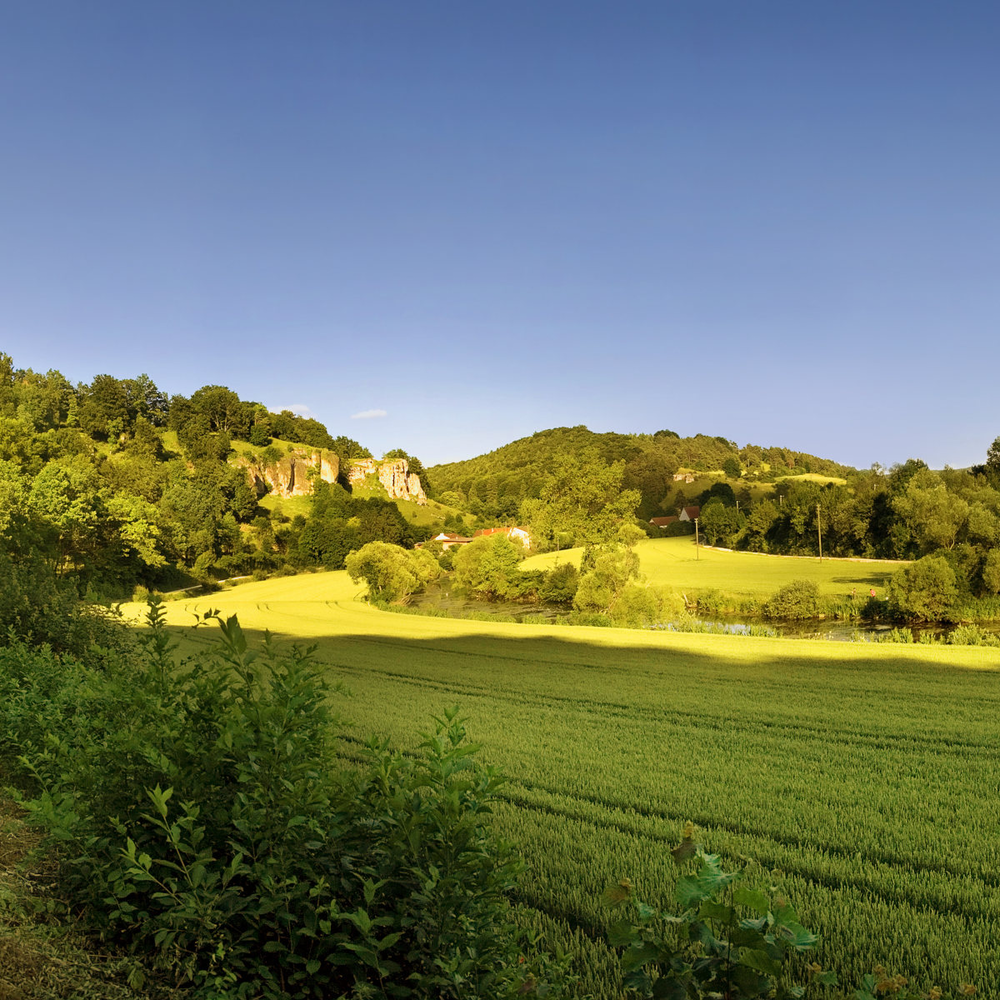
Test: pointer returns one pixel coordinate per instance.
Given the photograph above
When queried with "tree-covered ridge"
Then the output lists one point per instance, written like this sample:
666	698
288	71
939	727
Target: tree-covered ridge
494	485
113	484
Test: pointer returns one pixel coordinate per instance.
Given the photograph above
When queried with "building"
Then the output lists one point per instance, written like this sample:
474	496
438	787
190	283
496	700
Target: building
449	540
514	534
662	522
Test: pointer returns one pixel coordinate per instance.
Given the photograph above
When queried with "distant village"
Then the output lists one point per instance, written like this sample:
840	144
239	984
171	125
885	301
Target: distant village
449	540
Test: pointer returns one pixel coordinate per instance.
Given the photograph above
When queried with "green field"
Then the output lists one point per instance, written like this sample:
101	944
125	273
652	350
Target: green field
287	506
675	562
862	780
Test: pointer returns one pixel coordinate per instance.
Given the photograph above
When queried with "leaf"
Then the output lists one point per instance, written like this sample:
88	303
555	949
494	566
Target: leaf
761	961
389	940
615	895
621	934
684	850
669	989
710	910
755	901
635	958
797	936
690	889
750	982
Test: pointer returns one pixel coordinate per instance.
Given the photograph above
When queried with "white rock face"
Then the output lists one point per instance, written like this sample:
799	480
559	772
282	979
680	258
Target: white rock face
395	476
288	477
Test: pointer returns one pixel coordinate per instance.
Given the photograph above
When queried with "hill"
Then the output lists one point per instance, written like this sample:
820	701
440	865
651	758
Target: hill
493	485
115	484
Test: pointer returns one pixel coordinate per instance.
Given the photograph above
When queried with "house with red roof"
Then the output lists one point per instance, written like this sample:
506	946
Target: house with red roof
662	522
514	534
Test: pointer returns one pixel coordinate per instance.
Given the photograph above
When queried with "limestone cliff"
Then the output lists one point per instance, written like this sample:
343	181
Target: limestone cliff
288	476
395	476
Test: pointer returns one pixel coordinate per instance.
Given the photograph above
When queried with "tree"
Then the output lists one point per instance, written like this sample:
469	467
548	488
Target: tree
759	521
583	496
146	400
135	520
391	574
605	587
222	408
991	469
926	589
991	571
721	523
104	407
69	498
932	513
731	467
490	566
347	448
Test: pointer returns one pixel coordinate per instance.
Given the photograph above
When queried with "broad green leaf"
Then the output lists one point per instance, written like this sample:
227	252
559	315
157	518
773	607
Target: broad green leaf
761	961
710	910
755	901
635	958
690	889
668	988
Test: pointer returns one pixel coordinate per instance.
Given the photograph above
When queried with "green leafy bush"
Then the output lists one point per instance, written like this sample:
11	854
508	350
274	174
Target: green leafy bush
727	941
926	590
797	599
391	572
730	942
206	813
972	635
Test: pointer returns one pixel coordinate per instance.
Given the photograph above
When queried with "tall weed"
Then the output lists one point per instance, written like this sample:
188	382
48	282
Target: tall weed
203	813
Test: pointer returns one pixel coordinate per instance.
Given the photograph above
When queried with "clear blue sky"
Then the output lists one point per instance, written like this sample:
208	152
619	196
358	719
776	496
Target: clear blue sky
777	222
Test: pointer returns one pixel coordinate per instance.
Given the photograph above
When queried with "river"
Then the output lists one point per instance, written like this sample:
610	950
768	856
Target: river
440	598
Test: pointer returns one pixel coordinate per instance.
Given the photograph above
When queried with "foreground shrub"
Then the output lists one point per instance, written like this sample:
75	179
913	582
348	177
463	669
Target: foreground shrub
731	942
204	814
727	941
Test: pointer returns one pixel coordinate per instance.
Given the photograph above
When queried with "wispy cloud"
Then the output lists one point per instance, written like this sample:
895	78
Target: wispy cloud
298	408
368	414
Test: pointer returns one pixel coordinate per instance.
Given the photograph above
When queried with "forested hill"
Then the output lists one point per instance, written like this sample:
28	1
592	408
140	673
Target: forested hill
495	484
111	485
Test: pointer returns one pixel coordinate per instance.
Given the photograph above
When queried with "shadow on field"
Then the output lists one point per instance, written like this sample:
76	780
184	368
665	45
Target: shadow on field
948	675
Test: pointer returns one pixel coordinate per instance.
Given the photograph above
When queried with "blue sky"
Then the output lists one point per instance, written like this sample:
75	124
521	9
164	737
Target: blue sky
777	222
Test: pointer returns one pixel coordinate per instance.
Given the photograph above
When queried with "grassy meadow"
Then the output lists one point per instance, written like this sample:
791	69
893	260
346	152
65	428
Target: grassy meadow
860	780
676	563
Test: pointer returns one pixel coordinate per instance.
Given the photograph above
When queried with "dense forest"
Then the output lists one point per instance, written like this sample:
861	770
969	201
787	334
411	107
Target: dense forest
758	499
114	484
494	485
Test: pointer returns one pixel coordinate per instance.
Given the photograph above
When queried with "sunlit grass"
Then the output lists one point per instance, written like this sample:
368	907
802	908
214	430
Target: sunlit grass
862	778
678	563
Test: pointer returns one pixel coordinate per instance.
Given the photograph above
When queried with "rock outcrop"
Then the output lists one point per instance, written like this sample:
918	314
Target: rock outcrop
395	476
289	475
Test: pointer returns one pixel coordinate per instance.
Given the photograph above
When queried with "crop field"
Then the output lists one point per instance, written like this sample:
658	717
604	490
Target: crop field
860	780
673	562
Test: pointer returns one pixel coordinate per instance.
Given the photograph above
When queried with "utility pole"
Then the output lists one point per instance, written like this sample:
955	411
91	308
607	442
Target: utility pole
819	532
697	553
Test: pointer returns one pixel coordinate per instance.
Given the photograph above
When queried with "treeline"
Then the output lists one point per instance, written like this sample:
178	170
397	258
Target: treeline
949	521
494	485
114	484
